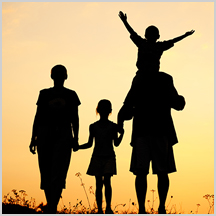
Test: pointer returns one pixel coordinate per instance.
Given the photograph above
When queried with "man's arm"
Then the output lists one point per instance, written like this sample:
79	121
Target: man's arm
75	128
177	39
118	140
177	101
123	17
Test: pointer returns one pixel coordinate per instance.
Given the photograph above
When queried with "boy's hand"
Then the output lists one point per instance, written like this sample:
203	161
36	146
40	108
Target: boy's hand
122	16
189	32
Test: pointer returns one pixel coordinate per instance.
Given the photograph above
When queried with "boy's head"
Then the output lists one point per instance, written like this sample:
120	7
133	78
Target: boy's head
104	107
59	72
152	33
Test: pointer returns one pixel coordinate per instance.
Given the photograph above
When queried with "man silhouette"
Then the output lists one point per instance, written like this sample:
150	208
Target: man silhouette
149	103
55	133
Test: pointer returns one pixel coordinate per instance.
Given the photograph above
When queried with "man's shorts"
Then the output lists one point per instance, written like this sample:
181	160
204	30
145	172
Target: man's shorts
155	149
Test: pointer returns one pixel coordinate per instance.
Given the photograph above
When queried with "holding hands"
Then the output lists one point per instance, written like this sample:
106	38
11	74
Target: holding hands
75	145
189	32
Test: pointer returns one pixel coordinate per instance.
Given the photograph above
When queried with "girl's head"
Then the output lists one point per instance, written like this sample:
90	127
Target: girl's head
104	107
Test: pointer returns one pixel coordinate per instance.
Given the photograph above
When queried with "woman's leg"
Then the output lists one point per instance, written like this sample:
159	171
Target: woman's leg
98	192
52	196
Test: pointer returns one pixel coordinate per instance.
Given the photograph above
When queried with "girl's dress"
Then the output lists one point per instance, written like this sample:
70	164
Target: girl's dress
103	160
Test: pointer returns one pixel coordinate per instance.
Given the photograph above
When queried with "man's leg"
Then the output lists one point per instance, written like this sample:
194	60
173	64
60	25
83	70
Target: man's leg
163	187
141	188
98	193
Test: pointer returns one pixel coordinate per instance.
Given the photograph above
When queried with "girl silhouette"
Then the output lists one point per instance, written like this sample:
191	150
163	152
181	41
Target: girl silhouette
103	161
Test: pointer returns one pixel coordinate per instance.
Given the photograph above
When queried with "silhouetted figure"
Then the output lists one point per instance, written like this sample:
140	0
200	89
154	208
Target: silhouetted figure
149	103
103	161
55	133
149	50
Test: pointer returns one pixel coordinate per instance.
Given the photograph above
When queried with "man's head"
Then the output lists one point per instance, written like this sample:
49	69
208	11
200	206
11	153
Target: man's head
59	73
152	33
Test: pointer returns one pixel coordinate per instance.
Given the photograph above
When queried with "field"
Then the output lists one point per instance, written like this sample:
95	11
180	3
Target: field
15	202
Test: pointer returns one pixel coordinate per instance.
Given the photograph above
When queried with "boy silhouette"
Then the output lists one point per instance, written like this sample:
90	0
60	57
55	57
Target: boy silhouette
149	50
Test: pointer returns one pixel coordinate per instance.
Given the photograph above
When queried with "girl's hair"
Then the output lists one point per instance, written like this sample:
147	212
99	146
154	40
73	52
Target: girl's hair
104	106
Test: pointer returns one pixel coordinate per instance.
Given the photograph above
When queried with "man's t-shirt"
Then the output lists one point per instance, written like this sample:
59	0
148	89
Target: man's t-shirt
149	54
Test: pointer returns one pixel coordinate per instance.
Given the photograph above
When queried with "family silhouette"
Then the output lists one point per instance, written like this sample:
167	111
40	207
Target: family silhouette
149	101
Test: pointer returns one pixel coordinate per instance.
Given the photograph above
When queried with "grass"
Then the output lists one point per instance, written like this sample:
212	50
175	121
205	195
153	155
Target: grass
15	202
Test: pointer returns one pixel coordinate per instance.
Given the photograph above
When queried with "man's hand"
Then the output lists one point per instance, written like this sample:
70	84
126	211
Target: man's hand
122	16
189	32
32	146
120	128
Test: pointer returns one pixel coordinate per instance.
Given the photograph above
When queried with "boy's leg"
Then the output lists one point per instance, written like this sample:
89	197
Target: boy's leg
108	193
163	187
98	192
141	188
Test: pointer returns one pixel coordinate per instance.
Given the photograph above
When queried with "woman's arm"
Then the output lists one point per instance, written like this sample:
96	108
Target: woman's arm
33	144
75	128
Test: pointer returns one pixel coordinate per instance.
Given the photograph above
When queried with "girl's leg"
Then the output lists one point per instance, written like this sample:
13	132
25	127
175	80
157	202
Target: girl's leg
98	192
108	193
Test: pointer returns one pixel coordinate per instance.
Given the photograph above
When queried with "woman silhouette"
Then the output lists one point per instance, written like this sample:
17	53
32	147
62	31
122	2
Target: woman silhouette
55	133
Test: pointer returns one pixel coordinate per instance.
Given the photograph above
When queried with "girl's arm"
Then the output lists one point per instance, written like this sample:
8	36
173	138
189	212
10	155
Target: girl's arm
177	39
123	17
90	140
118	140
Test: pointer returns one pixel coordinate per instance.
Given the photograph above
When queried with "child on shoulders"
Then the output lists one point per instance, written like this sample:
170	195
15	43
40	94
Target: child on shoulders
149	50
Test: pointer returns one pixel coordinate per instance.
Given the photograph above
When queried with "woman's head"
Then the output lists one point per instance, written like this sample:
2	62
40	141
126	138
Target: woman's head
104	107
59	72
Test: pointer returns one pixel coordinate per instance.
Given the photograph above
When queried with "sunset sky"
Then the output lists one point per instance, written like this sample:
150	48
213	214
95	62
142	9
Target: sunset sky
90	40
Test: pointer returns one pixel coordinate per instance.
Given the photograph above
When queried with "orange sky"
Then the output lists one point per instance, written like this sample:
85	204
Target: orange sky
91	41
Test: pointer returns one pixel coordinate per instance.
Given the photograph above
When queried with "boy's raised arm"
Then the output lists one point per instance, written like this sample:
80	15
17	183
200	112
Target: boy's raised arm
123	17
177	39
